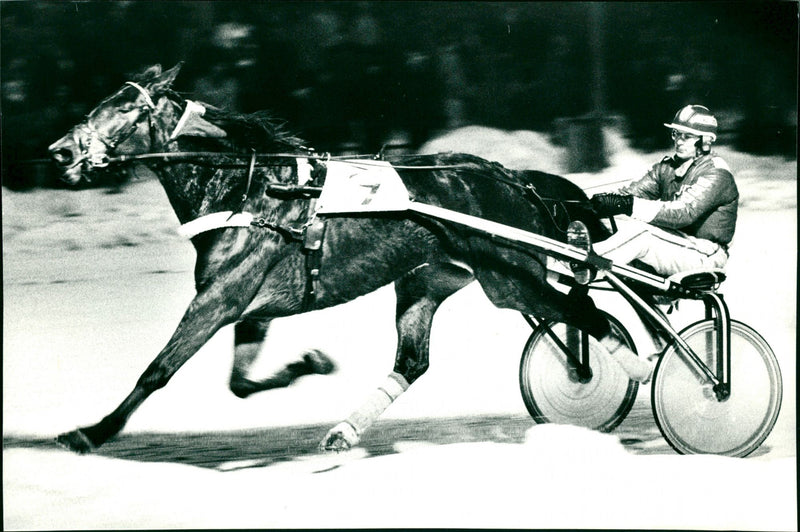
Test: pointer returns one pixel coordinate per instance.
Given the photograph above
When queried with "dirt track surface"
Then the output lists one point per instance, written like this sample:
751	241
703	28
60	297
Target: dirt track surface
266	447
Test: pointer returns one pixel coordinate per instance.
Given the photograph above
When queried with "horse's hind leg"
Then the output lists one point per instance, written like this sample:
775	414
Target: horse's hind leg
249	335
521	286
419	294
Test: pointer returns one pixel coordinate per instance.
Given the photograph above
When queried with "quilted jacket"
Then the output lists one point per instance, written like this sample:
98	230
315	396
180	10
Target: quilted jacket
701	202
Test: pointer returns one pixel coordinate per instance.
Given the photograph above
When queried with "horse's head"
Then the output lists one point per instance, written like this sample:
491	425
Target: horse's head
120	125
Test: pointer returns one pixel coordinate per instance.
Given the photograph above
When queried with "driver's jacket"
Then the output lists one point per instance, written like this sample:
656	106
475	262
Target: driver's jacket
703	202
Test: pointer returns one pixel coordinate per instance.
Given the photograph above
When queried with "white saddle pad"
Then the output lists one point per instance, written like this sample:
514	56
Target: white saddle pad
353	186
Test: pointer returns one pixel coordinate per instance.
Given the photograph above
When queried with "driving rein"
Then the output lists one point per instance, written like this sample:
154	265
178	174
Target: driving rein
103	160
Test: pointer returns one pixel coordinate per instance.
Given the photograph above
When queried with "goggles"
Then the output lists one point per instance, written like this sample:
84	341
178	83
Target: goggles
678	135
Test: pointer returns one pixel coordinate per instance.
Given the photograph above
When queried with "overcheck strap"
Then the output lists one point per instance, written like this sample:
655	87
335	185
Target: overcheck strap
144	93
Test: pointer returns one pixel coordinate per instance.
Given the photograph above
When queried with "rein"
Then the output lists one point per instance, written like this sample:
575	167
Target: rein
253	160
103	160
269	159
184	155
528	189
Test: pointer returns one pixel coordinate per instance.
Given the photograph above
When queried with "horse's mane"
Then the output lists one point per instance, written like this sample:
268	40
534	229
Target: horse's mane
259	130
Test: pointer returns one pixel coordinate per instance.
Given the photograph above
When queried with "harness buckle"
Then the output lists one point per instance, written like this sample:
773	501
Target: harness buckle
314	233
99	160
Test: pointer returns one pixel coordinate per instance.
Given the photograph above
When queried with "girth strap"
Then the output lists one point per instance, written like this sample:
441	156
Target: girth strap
314	230
312	176
312	247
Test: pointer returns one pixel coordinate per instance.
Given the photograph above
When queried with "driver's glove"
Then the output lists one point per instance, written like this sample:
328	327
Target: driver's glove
611	204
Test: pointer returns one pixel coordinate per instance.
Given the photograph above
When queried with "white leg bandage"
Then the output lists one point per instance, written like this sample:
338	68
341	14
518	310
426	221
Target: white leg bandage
378	401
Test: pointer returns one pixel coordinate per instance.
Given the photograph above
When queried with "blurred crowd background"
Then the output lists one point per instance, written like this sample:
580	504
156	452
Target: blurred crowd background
353	77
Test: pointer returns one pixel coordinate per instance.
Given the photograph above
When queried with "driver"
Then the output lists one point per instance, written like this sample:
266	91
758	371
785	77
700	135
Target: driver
682	212
681	217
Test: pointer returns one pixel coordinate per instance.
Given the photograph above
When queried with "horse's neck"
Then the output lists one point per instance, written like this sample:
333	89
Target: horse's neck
196	190
185	184
176	188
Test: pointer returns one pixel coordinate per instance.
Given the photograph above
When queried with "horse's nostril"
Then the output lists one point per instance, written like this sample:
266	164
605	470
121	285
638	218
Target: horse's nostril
62	156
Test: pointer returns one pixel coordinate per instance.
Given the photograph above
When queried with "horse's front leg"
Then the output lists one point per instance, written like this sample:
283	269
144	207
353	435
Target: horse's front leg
249	335
210	310
419	295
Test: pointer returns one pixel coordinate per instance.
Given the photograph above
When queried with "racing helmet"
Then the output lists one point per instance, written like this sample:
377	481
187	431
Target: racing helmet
695	120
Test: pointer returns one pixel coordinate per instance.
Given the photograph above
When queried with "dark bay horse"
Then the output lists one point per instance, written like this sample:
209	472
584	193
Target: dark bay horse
248	276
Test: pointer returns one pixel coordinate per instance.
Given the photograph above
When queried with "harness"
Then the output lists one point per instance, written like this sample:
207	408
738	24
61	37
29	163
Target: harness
312	232
311	177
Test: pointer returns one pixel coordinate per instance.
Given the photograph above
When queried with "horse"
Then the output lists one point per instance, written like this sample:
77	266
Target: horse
207	162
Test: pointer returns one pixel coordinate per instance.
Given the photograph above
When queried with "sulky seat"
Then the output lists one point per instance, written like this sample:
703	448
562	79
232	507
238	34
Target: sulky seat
703	280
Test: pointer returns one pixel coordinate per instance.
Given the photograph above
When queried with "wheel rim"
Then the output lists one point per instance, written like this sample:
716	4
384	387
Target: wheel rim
553	394
693	420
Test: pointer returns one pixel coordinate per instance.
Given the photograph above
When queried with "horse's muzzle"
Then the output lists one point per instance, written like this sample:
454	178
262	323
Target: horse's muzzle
66	154
62	156
64	151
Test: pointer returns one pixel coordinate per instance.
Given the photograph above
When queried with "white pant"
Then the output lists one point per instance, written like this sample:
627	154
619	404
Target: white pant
668	252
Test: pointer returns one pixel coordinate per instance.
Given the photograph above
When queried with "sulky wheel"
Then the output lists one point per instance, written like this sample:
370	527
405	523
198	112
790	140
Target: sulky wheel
689	414
552	390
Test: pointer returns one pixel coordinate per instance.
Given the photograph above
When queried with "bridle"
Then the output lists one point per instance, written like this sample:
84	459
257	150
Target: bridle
101	159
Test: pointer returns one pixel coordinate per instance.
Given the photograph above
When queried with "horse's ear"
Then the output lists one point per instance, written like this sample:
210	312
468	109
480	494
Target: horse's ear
164	80
151	73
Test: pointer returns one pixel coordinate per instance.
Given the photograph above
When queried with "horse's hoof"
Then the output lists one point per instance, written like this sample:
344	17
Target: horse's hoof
242	388
319	362
340	438
76	441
